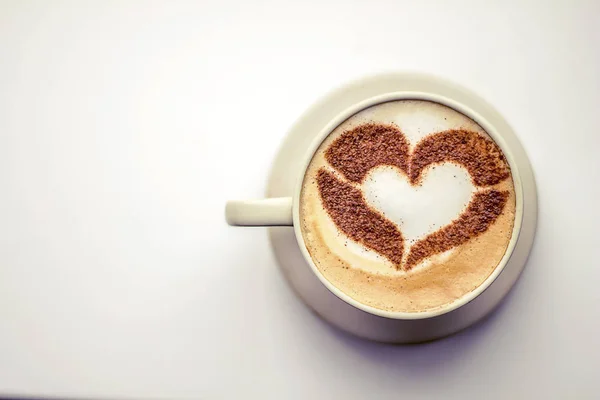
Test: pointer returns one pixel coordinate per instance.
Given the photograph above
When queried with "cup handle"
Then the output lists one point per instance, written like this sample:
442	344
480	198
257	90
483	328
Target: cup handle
266	212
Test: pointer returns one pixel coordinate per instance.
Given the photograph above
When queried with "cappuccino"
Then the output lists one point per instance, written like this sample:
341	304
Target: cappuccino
407	206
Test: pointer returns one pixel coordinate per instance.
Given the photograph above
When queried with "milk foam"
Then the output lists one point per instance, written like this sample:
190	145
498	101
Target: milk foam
444	192
416	119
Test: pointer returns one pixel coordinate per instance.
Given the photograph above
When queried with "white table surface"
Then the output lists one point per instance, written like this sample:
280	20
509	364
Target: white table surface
125	126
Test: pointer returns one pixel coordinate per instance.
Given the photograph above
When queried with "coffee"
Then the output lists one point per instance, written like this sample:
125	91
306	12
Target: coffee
407	206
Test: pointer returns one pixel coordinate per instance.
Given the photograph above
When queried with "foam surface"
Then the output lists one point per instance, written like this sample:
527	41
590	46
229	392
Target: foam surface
444	193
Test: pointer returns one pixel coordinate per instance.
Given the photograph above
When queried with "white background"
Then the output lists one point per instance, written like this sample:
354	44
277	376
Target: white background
124	127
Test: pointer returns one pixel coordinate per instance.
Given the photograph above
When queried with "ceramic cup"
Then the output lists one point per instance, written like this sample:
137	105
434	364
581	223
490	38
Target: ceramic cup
285	211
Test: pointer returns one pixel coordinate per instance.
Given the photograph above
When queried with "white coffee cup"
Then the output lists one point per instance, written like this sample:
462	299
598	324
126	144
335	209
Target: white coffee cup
285	211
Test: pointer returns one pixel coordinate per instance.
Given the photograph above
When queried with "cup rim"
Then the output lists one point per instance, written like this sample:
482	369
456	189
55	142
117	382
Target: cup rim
463	109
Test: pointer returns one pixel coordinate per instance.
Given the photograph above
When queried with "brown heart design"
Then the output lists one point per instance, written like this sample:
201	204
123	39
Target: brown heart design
370	145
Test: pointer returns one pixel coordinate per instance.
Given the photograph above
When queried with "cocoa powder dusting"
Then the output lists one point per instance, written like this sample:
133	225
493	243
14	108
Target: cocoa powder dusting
349	211
360	149
482	211
479	155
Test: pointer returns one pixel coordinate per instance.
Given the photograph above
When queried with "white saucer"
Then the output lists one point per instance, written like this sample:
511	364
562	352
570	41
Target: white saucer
300	276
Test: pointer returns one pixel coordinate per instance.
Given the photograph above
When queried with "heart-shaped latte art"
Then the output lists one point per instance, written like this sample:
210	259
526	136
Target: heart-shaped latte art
357	151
